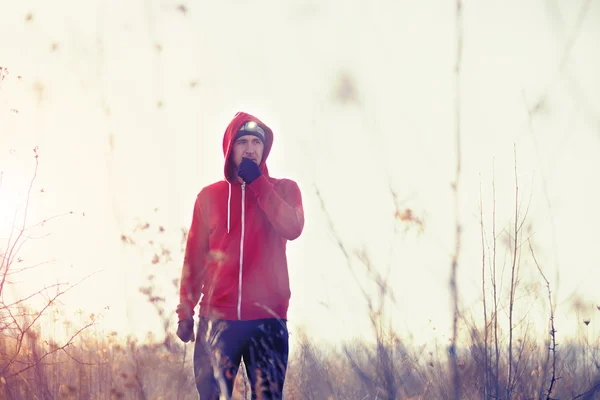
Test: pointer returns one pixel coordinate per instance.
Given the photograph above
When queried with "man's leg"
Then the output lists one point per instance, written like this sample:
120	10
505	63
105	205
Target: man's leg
266	358
217	357
208	388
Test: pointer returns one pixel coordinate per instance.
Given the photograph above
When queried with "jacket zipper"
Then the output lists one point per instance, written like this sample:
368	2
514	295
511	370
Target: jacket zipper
239	305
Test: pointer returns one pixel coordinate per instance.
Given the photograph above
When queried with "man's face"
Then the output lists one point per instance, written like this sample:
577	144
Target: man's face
248	146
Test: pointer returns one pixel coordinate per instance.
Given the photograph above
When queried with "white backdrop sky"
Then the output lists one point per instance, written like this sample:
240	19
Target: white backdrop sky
128	102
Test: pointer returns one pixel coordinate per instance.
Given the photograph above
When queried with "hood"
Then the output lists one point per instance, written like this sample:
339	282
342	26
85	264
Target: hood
236	123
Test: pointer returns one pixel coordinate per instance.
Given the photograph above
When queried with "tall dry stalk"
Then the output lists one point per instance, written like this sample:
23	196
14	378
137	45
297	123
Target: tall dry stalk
455	186
384	364
495	289
552	347
513	287
486	364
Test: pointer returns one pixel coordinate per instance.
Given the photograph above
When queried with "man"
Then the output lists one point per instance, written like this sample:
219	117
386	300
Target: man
235	258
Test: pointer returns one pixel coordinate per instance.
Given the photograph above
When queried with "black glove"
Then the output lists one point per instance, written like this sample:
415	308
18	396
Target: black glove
185	330
248	170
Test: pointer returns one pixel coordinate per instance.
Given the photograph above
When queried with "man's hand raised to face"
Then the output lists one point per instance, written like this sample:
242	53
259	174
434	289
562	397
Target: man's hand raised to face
248	170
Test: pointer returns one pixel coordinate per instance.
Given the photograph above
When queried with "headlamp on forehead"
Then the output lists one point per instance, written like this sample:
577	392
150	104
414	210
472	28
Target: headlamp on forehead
251	128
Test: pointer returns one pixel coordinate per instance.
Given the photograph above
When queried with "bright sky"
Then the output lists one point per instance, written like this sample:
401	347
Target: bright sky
128	102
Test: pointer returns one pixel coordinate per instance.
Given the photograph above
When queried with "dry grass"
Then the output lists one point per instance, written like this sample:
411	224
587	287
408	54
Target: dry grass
114	367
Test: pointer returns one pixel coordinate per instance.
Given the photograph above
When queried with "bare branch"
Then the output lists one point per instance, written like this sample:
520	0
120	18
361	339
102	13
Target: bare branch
6	261
589	395
31	295
17	271
551	349
63	347
36	316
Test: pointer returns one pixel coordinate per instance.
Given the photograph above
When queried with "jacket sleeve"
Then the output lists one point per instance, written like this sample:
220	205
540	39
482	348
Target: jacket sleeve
190	285
284	211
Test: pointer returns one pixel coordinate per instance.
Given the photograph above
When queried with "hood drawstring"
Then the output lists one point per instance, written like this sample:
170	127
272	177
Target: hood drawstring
229	207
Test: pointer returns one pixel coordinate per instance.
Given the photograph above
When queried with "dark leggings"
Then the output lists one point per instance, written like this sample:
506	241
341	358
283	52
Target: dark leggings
222	345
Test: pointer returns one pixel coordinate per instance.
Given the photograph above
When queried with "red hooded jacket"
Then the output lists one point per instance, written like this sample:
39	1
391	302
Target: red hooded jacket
235	255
